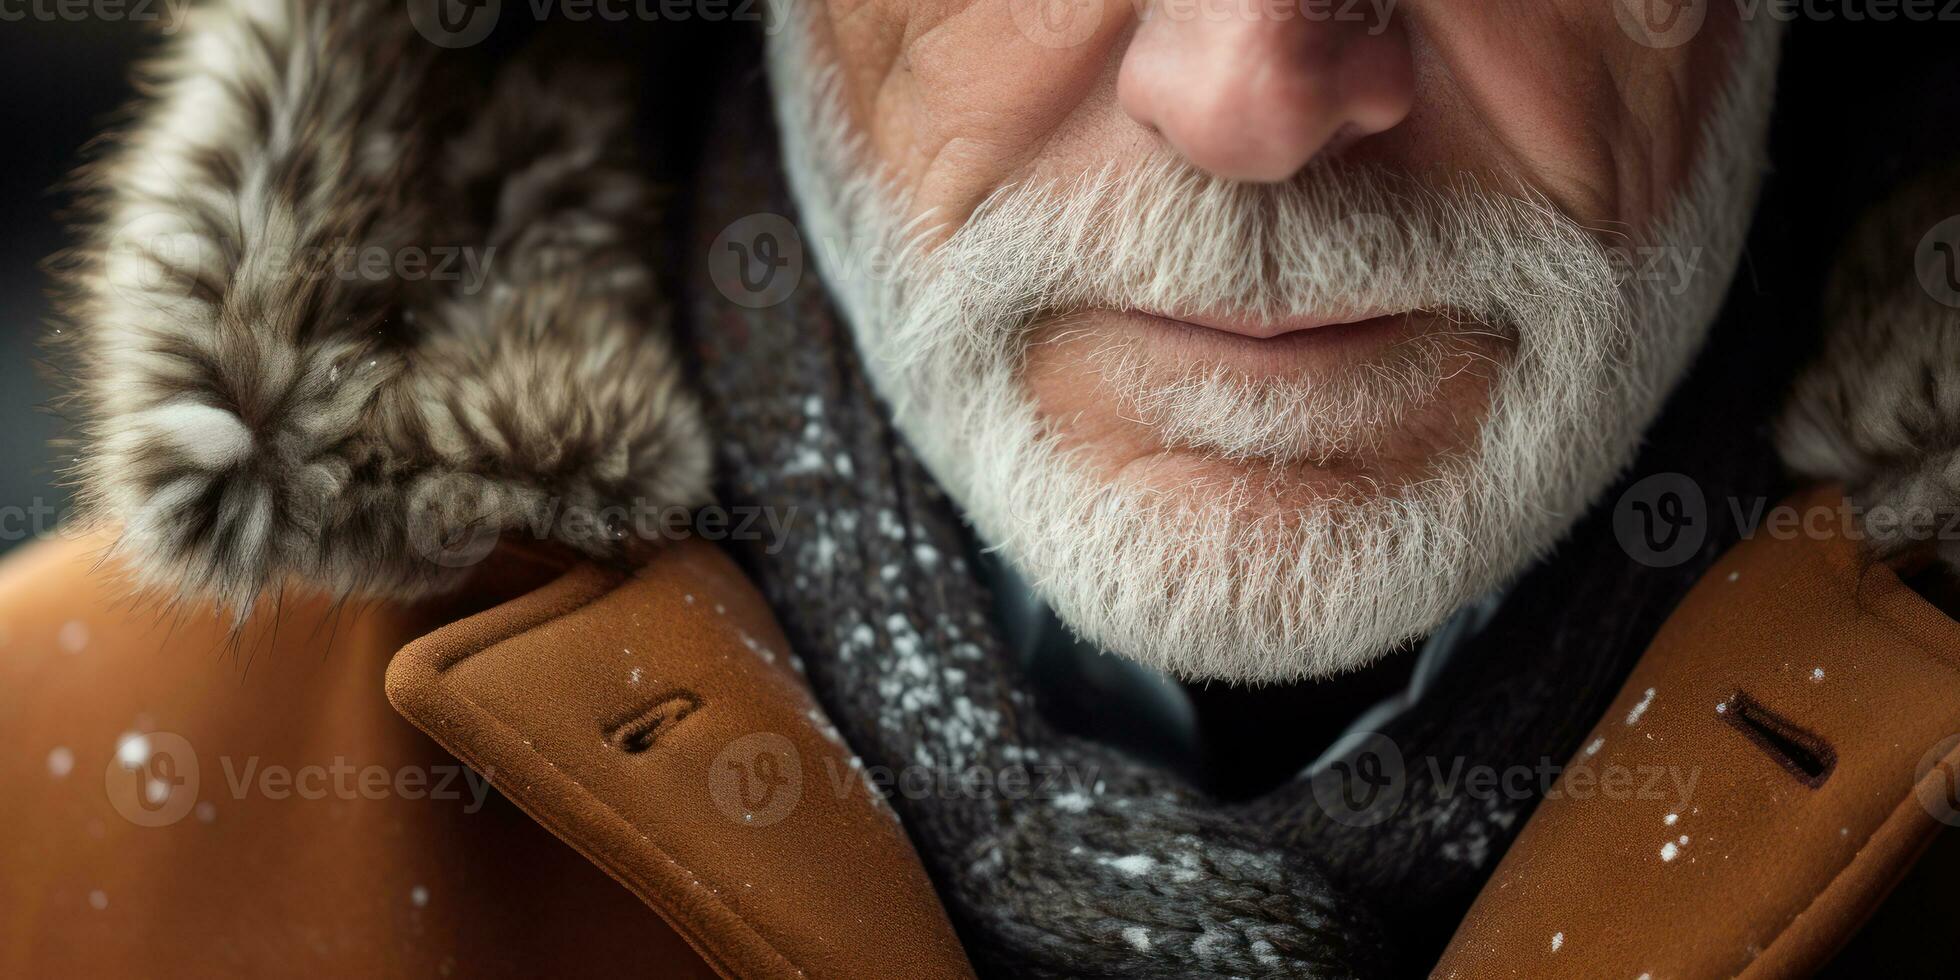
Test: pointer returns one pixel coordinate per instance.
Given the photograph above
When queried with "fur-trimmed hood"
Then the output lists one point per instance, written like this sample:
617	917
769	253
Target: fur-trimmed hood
1879	409
331	324
323	328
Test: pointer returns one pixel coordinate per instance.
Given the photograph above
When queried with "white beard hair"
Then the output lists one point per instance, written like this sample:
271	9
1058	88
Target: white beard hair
1199	580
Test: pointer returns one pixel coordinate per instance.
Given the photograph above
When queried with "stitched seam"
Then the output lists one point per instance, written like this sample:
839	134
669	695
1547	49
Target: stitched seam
448	663
1903	807
1902	627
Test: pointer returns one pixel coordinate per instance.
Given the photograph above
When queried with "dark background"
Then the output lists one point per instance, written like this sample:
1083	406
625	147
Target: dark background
61	83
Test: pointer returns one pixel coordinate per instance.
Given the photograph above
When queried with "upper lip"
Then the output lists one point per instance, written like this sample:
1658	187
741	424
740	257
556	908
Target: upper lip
1265	329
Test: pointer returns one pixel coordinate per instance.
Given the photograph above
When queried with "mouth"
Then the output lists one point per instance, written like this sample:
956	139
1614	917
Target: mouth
1253	328
1258	347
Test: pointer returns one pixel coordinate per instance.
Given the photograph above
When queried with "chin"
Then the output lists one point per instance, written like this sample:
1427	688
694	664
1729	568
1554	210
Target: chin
1238	570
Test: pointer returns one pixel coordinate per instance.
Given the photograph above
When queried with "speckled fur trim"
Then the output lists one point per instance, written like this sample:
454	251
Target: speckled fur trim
321	329
1879	411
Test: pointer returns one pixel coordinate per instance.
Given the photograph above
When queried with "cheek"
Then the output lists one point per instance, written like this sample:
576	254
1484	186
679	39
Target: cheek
957	97
1560	93
1521	90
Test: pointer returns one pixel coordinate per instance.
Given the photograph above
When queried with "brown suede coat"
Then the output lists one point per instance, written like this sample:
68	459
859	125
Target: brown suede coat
668	804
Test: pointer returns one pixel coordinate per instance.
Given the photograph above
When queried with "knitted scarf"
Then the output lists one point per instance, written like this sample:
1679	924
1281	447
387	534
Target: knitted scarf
1057	856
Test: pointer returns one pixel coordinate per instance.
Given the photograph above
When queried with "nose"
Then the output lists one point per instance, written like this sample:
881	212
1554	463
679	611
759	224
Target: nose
1253	91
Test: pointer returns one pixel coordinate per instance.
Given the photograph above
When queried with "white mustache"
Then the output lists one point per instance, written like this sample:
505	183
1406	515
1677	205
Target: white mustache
1165	237
1168	238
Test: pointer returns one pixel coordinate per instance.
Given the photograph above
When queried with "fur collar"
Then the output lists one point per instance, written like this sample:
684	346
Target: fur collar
1879	411
330	324
317	333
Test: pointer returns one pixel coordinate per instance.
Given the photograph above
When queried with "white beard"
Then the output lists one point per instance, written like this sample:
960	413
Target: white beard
1212	581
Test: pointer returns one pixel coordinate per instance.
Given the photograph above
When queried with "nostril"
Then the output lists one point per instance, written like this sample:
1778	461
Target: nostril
1804	754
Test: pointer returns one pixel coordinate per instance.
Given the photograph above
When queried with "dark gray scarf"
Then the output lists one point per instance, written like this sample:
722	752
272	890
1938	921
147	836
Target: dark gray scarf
1059	856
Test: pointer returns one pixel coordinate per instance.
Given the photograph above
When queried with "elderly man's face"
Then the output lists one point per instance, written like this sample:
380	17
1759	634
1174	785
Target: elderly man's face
1276	282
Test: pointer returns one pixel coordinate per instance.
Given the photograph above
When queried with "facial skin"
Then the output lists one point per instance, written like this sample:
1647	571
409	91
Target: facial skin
958	98
1259	337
